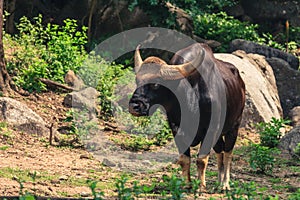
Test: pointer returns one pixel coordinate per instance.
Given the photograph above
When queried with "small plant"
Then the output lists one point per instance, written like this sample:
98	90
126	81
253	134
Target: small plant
295	196
174	186
270	132
262	158
244	191
124	193
96	195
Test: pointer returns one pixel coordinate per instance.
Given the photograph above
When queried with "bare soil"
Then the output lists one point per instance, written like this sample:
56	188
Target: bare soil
53	171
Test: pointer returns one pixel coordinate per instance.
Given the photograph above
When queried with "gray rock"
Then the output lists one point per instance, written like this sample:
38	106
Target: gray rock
83	99
108	163
268	52
290	141
295	116
288	83
262	101
21	117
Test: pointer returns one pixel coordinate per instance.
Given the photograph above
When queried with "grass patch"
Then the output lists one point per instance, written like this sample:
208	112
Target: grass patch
3	148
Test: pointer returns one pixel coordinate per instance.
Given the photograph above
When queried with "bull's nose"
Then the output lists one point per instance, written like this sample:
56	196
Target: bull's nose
137	108
134	109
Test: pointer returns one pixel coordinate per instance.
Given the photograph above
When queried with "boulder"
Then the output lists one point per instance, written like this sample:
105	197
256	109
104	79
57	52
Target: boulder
295	116
289	142
21	117
262	101
288	84
268	52
273	12
83	99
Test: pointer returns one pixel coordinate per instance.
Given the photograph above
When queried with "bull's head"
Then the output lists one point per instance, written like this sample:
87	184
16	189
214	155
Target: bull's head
150	74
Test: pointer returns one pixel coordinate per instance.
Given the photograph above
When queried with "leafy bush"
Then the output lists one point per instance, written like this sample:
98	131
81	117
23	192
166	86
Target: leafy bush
160	16
224	28
262	158
270	132
45	52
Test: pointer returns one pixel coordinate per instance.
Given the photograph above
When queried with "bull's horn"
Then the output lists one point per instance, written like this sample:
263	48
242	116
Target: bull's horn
174	72
138	61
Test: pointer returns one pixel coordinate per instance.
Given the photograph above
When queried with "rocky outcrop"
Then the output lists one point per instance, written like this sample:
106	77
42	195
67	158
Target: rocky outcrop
22	117
290	141
288	84
268	52
262	101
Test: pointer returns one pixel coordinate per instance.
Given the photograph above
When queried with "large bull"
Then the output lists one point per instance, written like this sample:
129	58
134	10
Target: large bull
159	83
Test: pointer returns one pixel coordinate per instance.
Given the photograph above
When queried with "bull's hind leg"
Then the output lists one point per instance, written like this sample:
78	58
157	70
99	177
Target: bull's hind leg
201	167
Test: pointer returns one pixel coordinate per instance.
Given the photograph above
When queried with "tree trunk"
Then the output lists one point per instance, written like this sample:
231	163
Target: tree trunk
4	76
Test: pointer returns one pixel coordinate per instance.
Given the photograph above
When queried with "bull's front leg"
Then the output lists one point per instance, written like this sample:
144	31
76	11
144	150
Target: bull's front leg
227	162
185	163
220	162
201	168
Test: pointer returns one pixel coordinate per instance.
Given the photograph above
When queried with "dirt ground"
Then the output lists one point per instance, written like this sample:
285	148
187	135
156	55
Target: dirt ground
52	171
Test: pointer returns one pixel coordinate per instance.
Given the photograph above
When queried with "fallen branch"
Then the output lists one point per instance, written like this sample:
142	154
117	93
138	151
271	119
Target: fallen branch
53	84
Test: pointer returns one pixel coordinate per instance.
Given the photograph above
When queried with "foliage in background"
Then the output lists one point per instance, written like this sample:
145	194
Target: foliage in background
40	51
224	29
270	133
160	16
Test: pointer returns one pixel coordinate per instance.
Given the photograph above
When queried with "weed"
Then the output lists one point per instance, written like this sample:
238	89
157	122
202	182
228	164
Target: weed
295	196
242	191
174	186
124	193
262	158
96	195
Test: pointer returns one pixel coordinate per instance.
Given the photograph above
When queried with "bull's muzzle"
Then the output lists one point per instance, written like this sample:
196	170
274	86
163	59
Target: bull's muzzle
138	107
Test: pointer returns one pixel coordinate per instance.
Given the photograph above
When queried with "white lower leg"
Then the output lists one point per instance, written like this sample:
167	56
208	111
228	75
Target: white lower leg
220	167
227	163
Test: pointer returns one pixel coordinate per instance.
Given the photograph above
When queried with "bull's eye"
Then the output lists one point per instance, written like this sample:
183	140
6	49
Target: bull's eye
155	86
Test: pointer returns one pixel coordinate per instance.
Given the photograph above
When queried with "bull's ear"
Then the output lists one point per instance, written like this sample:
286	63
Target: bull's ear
138	61
174	72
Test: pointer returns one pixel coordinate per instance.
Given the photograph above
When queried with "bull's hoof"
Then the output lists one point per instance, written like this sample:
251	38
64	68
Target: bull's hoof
225	187
203	188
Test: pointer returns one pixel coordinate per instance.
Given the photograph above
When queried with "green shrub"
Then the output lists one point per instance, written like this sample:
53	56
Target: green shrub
270	132
45	52
224	29
262	158
160	15
295	196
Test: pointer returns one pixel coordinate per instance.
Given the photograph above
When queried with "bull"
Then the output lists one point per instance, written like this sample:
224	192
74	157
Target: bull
156	82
